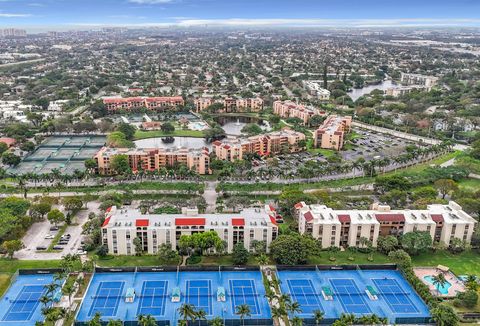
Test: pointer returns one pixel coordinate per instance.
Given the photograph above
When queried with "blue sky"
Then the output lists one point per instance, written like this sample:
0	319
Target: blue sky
60	14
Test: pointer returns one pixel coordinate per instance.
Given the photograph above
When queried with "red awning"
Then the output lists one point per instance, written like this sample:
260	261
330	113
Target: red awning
189	221
308	216
105	223
437	217
143	222
272	219
390	217
238	221
344	218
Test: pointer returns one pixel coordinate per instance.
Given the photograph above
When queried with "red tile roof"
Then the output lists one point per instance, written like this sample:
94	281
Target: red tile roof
344	218
8	141
308	216
190	221
142	222
238	221
271	208
298	205
108	209
390	217
437	217
105	223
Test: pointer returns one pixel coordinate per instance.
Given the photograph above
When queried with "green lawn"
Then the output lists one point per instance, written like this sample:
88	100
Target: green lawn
9	266
464	263
123	261
470	184
342	258
4	282
224	260
139	134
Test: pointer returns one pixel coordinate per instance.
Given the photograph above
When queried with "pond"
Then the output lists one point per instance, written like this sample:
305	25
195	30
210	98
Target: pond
233	125
355	93
188	142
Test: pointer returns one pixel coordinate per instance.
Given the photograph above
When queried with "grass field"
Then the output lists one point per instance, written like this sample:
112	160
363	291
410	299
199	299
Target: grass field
9	266
139	134
467	262
123	261
342	258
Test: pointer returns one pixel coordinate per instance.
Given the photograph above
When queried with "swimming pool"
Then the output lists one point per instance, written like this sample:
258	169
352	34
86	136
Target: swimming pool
443	289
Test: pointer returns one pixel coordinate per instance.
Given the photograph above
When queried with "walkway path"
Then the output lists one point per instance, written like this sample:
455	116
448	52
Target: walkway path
210	195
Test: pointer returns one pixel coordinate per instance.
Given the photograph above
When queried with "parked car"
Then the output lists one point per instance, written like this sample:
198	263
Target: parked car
57	247
49	236
54	228
39	248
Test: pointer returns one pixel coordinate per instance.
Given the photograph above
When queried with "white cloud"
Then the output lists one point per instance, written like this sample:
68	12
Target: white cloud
150	2
329	22
10	15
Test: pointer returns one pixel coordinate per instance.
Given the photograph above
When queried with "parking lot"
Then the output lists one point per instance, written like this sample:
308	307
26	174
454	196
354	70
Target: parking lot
364	144
40	235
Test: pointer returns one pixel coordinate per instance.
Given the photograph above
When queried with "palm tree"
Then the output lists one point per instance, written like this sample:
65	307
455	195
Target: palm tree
439	281
262	260
347	319
284	299
278	312
201	314
51	288
271	296
146	320
471	283
294	307
95	321
296	321
187	312
44	300
68	290
217	321
318	316
115	322
243	311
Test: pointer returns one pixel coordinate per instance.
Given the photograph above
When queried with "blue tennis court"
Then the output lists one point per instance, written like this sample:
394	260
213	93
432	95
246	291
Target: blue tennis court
303	292
25	304
199	294
107	298
152	298
351	298
244	292
396	298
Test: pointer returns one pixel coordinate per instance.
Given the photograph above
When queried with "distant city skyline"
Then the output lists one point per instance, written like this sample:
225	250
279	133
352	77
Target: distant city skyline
84	14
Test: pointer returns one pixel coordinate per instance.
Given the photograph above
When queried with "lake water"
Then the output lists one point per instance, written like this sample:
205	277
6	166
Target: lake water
355	93
189	142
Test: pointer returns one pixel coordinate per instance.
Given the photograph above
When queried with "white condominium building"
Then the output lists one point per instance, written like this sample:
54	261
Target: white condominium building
122	226
346	227
313	87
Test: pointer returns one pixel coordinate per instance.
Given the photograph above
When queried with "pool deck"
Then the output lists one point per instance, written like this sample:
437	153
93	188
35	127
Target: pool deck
456	284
